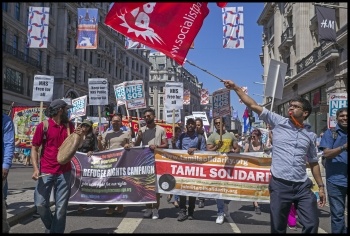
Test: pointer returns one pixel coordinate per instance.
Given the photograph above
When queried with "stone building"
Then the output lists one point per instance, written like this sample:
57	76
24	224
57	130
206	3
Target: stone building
315	68
70	67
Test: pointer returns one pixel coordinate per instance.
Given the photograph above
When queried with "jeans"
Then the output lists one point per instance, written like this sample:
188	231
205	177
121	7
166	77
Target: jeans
191	204
220	203
5	190
61	183
336	198
5	223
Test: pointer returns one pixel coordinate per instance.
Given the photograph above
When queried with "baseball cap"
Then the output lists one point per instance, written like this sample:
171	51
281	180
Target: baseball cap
59	103
87	122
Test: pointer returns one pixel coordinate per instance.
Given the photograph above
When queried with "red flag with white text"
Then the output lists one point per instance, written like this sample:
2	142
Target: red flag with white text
168	27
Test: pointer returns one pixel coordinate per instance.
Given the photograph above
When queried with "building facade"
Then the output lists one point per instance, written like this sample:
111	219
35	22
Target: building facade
70	67
315	69
165	69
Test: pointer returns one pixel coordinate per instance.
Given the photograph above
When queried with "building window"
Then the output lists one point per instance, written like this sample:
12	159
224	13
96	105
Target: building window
68	44
90	57
13	80
132	64
49	34
69	18
4	34
17	11
137	66
160	100
5	6
126	76
127	61
15	42
146	72
84	51
109	67
74	73
141	69
67	70
51	8
161	66
161	114
162	89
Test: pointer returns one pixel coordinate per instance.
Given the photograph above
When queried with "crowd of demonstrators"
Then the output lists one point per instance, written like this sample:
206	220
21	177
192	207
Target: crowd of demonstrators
224	143
8	149
88	146
190	141
155	136
255	145
293	148
48	173
112	139
334	145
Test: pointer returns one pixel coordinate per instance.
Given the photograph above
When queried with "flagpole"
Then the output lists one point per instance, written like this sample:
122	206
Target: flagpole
221	80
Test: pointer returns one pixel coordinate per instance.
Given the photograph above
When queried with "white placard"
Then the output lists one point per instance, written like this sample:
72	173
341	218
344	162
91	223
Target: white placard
336	101
168	114
174	93
188	117
135	95
119	91
43	88
221	103
79	107
98	91
202	115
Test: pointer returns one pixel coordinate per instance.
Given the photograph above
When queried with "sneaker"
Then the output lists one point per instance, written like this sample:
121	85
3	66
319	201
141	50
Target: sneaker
220	219
200	204
182	216
120	209
110	211
257	210
148	213
293	228
190	217
155	214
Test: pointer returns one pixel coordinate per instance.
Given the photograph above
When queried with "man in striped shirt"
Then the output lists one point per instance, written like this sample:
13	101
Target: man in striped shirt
293	147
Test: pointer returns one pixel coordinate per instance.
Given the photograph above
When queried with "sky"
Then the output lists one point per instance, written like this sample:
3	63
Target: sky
243	66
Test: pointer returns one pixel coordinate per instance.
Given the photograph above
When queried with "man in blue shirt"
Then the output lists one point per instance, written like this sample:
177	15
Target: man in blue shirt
334	144
293	147
190	141
8	149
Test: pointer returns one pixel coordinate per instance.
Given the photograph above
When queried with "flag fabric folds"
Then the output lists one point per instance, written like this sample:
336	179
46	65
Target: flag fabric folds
87	28
130	44
204	97
150	24
187	97
233	30
246	120
38	27
326	24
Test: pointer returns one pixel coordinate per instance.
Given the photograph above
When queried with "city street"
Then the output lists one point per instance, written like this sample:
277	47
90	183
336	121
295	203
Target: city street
242	218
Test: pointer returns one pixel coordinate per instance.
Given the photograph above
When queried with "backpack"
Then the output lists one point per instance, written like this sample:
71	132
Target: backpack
199	140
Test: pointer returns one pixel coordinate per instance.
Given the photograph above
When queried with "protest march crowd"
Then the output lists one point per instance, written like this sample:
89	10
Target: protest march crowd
290	144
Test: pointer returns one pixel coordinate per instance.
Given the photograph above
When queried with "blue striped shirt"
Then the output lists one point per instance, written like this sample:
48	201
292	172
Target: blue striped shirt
191	142
292	148
8	141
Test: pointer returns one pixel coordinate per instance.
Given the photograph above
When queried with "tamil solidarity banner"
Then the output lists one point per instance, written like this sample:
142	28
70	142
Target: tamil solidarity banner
116	176
213	175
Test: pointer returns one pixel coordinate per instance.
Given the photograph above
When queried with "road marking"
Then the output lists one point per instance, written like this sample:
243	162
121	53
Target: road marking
235	228
128	225
321	231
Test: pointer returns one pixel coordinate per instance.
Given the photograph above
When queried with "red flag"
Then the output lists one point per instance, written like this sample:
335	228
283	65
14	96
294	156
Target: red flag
221	4
168	27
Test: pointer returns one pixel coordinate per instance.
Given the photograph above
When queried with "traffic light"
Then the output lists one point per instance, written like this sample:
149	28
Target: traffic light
107	111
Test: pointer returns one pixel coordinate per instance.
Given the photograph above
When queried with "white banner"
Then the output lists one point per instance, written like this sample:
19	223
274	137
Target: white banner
38	27
173	96
336	101
79	107
98	91
168	114
43	88
119	91
135	95
221	103
233	28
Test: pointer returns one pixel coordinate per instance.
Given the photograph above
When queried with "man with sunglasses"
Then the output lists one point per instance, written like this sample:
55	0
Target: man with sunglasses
293	147
154	136
224	144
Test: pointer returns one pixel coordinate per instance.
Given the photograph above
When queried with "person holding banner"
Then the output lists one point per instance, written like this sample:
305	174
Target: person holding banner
190	141
334	145
51	174
222	141
200	130
112	139
88	146
293	147
154	136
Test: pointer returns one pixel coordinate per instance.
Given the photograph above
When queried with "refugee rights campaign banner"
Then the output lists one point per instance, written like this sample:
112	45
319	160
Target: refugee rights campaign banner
116	176
213	175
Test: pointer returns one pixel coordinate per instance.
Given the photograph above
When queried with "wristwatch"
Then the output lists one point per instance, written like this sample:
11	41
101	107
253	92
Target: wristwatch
342	148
